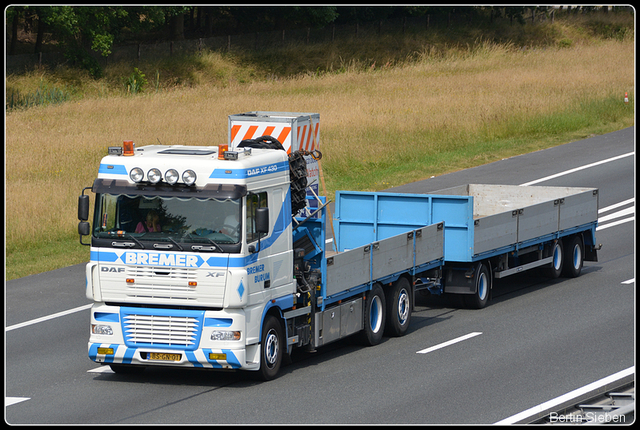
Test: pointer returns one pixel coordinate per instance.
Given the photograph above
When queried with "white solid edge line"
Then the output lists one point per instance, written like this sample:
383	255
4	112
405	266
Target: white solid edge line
629	281
451	342
48	317
586	166
567	397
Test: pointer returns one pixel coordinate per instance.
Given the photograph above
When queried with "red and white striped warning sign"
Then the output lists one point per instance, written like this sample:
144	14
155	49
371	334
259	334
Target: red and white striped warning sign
305	137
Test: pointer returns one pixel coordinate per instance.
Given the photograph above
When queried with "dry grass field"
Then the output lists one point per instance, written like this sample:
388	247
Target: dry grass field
380	126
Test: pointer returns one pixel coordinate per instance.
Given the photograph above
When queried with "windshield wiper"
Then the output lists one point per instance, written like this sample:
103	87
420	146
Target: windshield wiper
176	243
215	246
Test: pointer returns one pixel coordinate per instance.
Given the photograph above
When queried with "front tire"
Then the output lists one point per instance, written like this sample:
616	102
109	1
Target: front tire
272	348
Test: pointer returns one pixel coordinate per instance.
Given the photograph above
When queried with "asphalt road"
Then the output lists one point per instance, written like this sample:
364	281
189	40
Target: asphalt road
538	338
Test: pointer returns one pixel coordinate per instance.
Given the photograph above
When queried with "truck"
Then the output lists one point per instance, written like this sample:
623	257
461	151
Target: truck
220	257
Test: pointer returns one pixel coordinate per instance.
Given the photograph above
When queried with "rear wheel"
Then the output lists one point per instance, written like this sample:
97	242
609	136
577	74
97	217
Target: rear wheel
573	257
374	316
555	269
271	348
482	281
399	302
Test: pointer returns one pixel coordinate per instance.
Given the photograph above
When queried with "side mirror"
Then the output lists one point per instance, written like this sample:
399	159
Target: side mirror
83	207
262	220
84	228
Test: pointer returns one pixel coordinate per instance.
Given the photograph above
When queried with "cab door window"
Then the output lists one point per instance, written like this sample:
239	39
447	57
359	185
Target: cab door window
254	201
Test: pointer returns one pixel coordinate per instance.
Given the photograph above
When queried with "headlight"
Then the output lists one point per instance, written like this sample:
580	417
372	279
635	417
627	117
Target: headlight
171	176
226	335
101	329
154	175
189	177
136	174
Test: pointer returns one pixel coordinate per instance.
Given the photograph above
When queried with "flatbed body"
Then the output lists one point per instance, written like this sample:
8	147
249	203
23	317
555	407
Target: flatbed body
480	220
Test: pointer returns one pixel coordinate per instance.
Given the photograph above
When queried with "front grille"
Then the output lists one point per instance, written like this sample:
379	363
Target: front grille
162	328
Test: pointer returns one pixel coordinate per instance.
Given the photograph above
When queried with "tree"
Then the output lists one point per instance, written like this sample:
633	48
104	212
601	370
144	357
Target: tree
83	30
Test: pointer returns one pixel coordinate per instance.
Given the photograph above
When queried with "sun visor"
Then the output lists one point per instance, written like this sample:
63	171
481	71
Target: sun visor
218	191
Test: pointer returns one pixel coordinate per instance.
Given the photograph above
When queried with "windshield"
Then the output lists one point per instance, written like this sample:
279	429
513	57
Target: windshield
181	221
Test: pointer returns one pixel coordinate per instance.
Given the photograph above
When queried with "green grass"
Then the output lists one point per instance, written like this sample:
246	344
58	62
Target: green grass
42	96
44	256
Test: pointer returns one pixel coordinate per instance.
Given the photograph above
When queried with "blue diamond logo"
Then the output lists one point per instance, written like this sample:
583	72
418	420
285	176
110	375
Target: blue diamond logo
241	289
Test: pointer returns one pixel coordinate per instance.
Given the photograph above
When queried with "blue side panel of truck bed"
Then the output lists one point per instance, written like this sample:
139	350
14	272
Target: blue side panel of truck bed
365	217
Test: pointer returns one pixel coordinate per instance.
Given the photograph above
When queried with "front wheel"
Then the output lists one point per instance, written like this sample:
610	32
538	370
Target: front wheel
399	307
271	348
374	316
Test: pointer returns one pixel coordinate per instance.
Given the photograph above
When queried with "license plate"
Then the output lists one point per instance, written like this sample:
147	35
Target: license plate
165	357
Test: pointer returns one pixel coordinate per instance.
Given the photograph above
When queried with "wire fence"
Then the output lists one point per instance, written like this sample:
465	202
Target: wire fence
258	41
255	41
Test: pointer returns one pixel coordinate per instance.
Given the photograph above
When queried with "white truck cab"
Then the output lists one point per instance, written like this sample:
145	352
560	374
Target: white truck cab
191	289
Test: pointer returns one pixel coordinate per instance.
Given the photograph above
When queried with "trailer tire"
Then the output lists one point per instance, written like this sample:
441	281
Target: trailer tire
399	306
573	257
482	281
271	349
555	268
374	316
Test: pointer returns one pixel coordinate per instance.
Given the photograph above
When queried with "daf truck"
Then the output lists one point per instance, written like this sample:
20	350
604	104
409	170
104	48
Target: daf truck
222	257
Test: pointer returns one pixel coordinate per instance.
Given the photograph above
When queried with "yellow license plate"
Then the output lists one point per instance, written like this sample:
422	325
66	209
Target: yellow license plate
165	357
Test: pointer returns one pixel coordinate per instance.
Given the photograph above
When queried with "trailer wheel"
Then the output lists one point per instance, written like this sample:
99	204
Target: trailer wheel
399	307
482	281
374	316
271	348
555	269
574	257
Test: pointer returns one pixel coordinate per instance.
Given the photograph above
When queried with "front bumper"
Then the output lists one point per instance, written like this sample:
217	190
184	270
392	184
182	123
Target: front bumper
201	358
169	337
